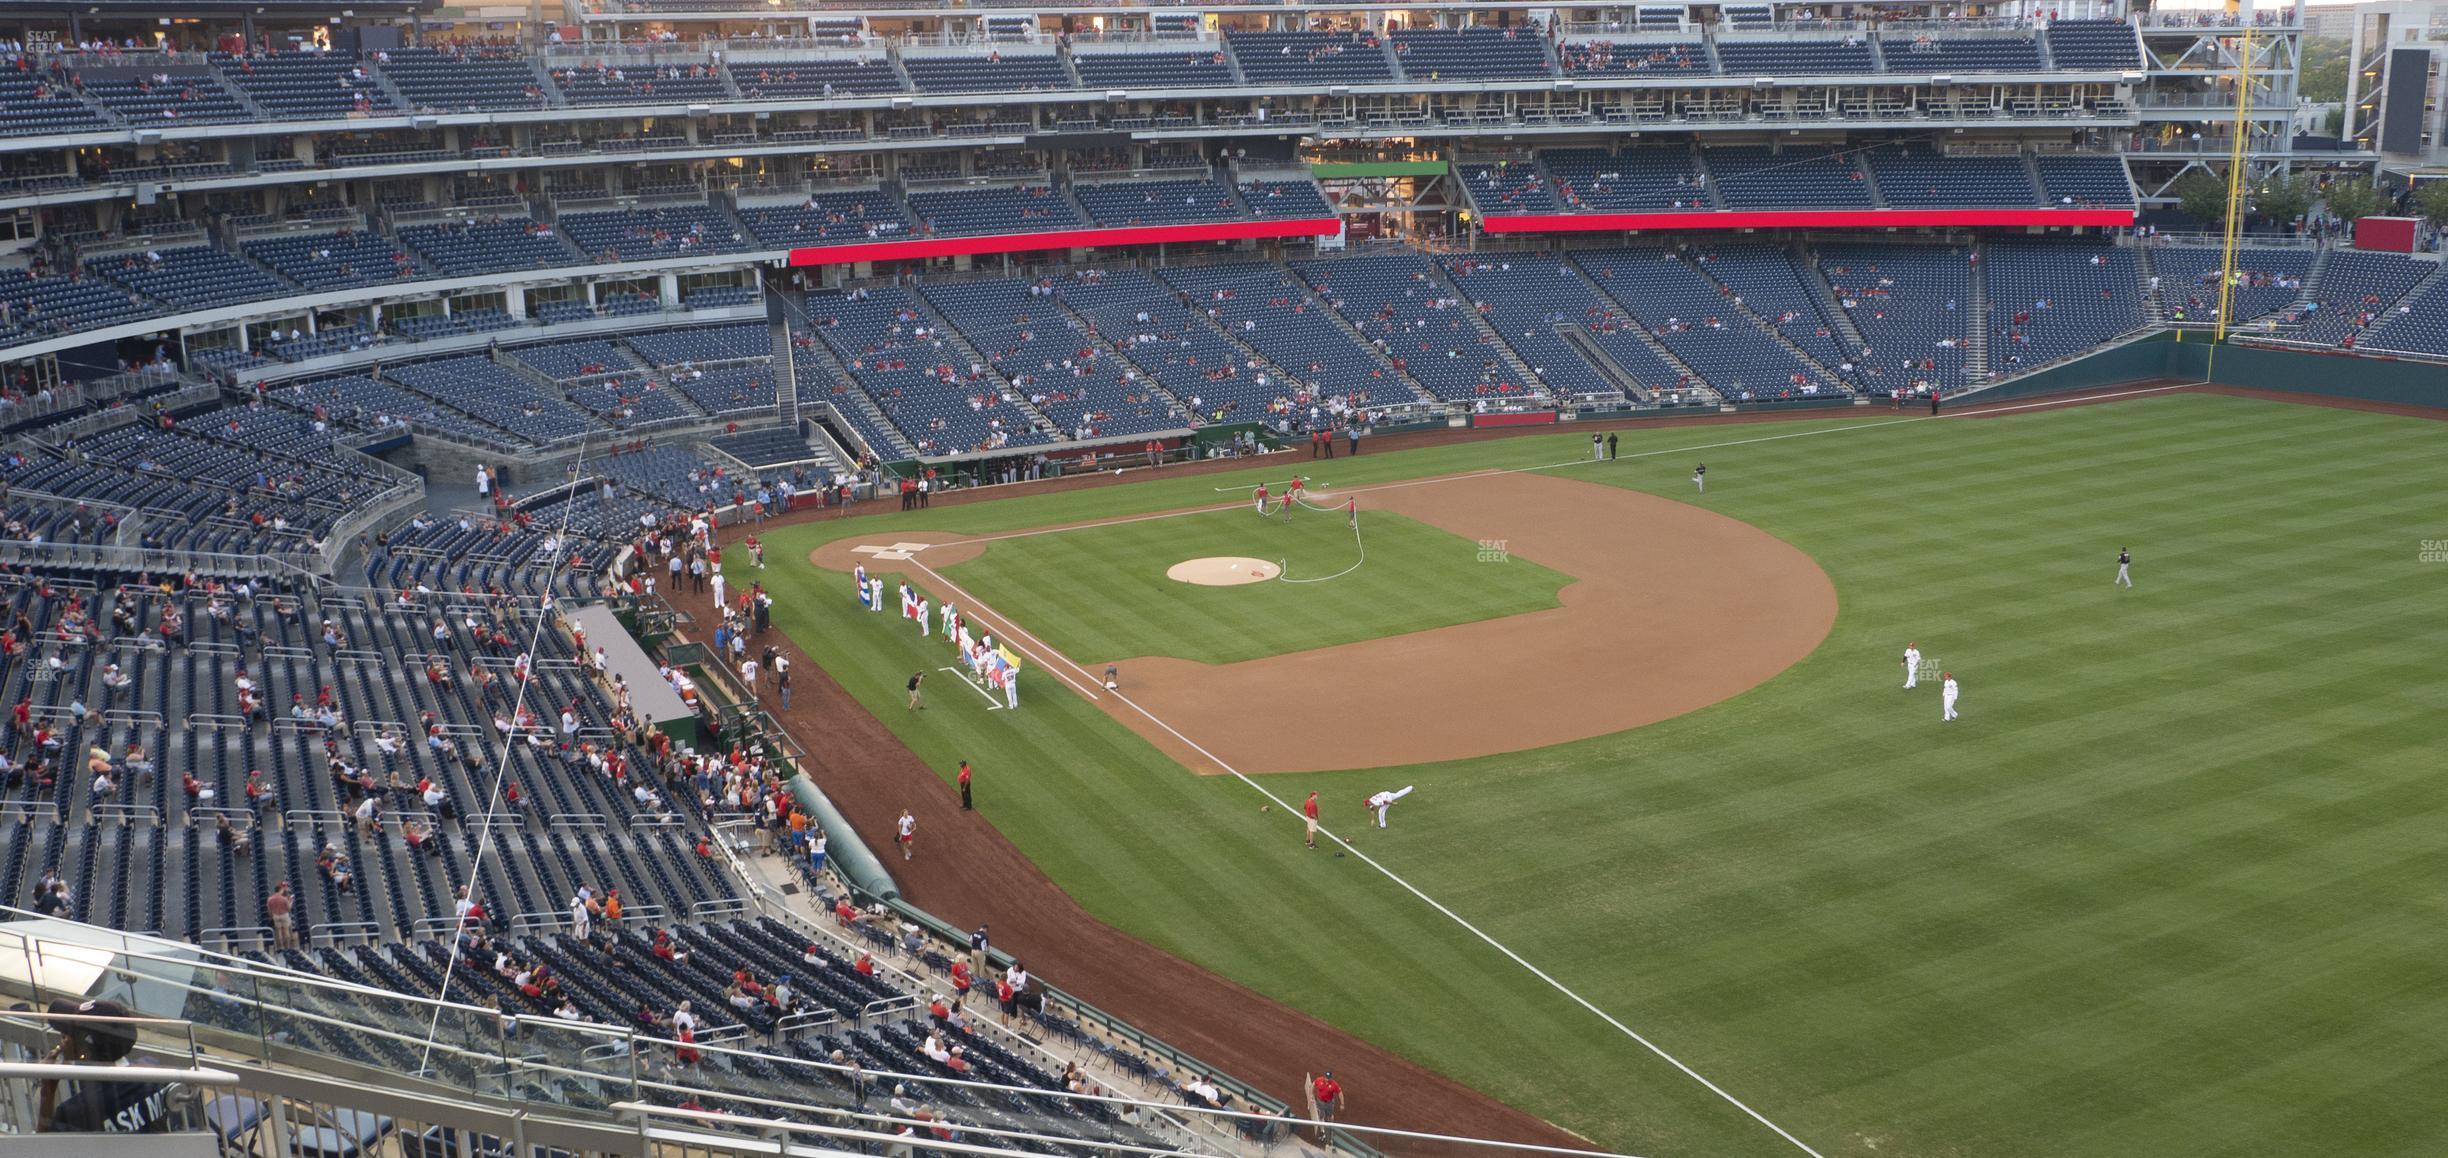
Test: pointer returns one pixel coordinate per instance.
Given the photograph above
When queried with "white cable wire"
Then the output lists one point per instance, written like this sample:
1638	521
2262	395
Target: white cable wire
501	768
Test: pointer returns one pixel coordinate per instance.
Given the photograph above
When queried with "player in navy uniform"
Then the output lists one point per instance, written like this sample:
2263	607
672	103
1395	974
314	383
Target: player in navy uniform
2124	563
1700	477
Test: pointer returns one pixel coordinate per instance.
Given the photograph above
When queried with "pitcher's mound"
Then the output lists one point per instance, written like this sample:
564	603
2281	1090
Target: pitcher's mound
1222	571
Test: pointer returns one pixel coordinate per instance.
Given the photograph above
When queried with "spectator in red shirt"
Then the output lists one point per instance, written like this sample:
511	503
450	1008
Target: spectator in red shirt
1309	812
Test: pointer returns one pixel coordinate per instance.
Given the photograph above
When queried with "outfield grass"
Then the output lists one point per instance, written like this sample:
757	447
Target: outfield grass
2171	886
1100	593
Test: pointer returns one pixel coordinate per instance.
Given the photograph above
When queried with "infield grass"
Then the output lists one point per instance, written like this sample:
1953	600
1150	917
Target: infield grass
1100	593
2172	886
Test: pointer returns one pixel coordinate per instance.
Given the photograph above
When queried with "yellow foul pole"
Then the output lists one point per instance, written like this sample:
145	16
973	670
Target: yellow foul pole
2236	185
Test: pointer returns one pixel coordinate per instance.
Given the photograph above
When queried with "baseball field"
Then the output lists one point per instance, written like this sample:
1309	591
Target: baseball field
2171	885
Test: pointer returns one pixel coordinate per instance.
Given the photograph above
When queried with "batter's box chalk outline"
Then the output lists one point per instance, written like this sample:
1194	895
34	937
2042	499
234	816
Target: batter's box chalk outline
893	553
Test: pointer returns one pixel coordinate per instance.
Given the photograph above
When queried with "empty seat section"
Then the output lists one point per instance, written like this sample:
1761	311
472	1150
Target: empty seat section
999	73
645	232
1641	179
34	104
2357	289
1189	67
471	247
2054	298
465	79
1431	54
1913	176
1292	199
191	277
2093	46
1690	315
979	212
160	98
1795	57
1131	204
334	260
920	381
1803	177
1913	306
829	219
1270	311
1310	59
1949	55
1507	186
819	77
2076	180
1533	300
1400	304
2417	325
308	86
1074	380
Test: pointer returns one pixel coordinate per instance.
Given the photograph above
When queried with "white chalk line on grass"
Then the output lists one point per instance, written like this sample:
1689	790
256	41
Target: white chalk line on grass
1013	630
1493	471
1457	918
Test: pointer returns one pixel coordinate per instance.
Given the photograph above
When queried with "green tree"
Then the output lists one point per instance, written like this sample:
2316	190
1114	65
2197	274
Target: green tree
2202	196
2283	199
2431	202
2323	77
2353	197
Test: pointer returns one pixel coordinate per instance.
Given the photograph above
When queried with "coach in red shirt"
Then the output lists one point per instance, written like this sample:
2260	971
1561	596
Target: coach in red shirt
1329	1093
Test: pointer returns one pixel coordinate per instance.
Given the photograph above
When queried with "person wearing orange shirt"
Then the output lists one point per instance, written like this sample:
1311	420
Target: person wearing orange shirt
1309	813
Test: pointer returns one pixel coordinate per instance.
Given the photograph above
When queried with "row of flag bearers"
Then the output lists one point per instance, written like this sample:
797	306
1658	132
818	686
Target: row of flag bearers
996	668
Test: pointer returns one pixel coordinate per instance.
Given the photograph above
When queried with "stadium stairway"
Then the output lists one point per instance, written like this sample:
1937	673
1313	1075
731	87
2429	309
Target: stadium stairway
1742	305
815	366
1839	318
1623	380
1633	324
966	353
1334	317
1487	331
1976	335
1087	330
2154	298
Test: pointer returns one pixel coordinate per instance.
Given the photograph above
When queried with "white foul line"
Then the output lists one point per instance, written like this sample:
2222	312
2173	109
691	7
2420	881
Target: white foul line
1014	630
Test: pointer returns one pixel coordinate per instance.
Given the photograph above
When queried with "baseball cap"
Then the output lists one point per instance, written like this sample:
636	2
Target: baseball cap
105	1040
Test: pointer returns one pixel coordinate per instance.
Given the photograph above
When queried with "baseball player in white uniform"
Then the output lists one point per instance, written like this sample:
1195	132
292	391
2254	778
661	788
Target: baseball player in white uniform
1948	692
1385	800
947	613
1912	665
1011	688
717	580
2124	567
922	617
